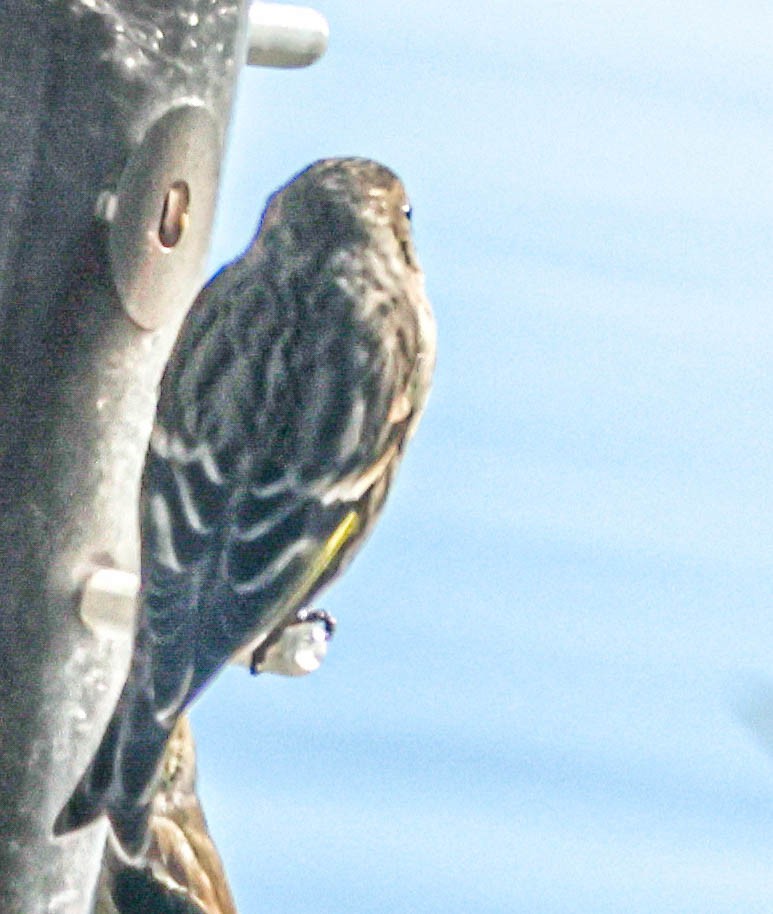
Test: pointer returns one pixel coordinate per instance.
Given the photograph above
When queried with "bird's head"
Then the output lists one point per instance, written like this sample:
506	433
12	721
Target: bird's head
349	219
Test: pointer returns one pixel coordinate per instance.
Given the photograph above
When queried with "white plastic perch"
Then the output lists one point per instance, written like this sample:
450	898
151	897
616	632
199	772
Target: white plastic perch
285	36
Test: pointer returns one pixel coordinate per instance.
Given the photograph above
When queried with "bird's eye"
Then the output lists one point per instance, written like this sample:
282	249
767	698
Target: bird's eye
403	231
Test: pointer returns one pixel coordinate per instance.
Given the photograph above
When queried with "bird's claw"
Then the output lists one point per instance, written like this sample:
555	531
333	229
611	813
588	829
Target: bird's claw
317	615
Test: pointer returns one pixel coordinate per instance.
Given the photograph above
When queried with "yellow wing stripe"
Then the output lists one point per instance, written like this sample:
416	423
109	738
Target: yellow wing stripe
326	555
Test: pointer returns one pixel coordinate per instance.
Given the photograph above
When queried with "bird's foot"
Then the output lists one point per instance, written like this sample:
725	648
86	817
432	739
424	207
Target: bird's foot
298	648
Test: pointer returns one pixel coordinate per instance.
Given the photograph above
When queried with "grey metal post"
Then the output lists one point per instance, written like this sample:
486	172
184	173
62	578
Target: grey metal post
112	121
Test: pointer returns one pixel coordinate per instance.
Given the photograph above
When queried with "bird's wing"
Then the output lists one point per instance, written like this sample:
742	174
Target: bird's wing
279	552
180	542
212	586
307	499
235	542
186	486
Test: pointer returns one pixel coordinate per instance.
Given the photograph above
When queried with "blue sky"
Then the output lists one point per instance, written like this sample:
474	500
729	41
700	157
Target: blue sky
536	701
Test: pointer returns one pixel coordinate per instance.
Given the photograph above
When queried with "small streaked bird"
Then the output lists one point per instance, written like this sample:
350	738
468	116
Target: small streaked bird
297	379
181	872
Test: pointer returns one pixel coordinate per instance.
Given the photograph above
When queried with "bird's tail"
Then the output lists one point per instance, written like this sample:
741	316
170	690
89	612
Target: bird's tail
120	780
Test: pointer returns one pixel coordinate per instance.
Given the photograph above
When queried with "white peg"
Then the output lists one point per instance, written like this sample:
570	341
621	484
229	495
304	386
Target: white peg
286	36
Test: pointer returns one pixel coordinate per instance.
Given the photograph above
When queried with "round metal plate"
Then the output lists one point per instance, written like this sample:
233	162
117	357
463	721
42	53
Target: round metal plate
164	207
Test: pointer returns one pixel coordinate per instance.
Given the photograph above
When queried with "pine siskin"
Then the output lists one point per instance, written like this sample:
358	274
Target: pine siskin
296	382
181	872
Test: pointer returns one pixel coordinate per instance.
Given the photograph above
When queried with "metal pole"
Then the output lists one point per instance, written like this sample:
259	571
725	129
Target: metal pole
112	123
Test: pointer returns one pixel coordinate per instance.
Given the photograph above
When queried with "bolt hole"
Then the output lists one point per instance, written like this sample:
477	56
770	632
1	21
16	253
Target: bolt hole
174	216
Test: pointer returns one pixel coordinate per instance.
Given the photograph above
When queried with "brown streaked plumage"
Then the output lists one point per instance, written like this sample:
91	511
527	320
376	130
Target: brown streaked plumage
181	872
